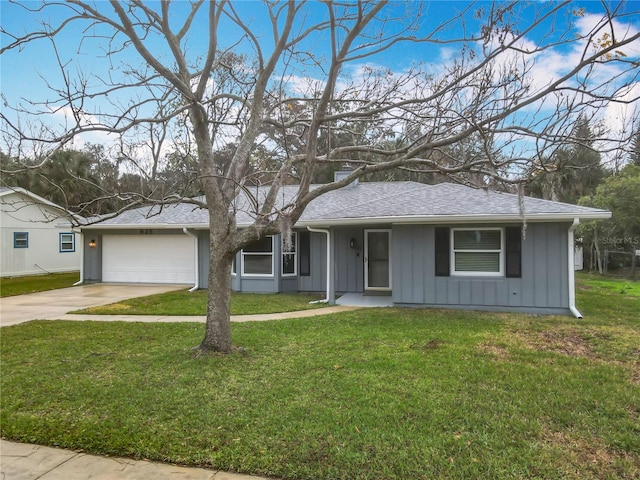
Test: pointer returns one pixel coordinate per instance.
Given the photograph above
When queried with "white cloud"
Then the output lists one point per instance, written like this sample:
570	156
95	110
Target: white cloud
621	118
64	119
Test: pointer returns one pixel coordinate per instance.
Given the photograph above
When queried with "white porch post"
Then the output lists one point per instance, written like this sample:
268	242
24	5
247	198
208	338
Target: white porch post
330	296
331	272
196	281
572	270
81	281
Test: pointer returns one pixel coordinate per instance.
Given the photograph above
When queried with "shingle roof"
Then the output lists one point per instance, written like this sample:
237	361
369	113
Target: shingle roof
409	199
376	202
178	215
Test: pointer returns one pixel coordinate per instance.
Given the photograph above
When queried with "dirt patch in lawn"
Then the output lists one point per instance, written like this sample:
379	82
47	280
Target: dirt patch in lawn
496	351
558	341
606	347
586	453
635	374
427	345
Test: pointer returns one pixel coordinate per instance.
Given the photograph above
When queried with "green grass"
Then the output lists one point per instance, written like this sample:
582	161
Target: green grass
614	285
36	283
368	394
183	302
599	296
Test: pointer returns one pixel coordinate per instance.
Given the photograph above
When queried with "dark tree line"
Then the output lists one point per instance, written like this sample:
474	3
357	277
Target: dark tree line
582	178
89	182
573	171
576	173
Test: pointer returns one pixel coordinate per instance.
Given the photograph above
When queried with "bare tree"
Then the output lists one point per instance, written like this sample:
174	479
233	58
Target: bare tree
287	77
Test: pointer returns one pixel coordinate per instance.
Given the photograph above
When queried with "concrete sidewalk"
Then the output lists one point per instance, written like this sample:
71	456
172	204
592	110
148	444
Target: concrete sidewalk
202	319
52	304
22	461
55	305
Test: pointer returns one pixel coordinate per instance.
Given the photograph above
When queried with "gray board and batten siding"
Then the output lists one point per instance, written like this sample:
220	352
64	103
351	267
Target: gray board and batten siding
92	258
543	286
348	264
316	281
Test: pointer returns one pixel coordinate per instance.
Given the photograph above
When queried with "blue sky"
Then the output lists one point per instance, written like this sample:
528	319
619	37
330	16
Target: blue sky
37	58
21	69
26	72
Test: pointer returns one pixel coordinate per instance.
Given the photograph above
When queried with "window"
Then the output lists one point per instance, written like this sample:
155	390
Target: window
477	251
233	266
290	257
257	258
67	242
20	239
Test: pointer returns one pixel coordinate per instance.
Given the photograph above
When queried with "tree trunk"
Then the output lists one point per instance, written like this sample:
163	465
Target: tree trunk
598	256
217	336
634	261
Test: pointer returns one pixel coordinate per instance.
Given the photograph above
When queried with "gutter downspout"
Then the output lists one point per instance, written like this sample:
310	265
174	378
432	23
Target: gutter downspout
572	273
196	286
81	281
328	233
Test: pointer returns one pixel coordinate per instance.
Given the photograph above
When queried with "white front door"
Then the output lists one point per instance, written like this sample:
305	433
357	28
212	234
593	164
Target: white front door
377	259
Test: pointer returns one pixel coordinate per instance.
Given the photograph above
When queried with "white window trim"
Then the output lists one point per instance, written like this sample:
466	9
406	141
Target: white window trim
295	257
73	242
25	239
234	272
258	275
452	251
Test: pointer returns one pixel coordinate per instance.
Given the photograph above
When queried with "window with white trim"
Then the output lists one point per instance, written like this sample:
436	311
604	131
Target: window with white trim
477	251
67	242
20	239
257	258
290	257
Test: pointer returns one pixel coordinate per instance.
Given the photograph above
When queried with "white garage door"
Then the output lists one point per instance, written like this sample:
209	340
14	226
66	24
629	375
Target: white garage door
148	258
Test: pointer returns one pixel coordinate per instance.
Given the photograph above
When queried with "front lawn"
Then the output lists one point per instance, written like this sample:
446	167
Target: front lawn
183	302
368	394
36	283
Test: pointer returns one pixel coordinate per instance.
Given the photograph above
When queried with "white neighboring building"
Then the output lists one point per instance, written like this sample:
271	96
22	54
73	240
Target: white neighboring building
35	235
578	258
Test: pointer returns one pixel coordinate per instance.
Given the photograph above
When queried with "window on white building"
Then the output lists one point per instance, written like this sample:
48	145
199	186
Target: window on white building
20	239
67	242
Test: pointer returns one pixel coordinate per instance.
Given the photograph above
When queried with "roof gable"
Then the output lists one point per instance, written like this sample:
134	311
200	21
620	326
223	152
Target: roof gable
48	211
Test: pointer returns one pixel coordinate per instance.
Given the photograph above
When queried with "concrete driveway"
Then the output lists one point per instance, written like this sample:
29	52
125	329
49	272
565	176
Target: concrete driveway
55	303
